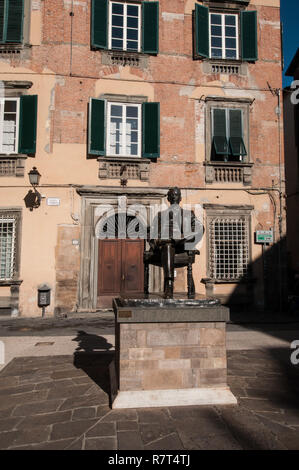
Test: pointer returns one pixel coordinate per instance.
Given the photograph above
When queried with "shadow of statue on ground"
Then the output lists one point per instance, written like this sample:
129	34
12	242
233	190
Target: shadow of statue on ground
94	356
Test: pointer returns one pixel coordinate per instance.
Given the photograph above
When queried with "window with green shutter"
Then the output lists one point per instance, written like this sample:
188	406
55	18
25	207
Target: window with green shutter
122	26
227	135
11	21
225	35
120	129
18	121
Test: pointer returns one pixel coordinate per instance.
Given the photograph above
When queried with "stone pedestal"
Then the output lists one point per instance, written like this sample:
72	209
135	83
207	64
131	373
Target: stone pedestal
170	353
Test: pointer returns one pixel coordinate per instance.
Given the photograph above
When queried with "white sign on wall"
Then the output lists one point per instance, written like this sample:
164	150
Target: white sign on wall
53	201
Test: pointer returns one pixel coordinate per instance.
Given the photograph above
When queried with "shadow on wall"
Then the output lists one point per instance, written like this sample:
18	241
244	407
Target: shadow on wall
265	287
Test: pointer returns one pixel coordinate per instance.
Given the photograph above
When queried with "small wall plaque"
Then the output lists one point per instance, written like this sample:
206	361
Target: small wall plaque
53	201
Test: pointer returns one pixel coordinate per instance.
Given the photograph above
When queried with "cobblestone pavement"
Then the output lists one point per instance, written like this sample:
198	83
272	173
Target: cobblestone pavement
61	402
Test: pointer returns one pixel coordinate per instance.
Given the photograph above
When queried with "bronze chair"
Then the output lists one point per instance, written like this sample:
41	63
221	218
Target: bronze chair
187	258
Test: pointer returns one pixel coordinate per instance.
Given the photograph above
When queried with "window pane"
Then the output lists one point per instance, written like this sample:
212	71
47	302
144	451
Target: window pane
116	110
132	45
230	31
132	124
216	42
134	149
132	22
132	111
117	44
216	31
117	8
134	136
230	43
230	20
132	10
132	34
231	54
117	32
216	19
10	106
216	52
117	20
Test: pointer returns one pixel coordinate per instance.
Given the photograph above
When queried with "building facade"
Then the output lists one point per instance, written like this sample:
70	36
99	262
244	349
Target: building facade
116	101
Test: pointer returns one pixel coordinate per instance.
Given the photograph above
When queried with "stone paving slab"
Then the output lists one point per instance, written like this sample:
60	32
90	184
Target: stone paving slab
43	413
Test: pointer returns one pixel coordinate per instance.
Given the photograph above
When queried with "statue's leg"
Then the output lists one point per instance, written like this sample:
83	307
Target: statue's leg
167	258
191	286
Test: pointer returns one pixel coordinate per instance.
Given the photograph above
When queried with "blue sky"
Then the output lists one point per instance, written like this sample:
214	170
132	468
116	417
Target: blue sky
289	11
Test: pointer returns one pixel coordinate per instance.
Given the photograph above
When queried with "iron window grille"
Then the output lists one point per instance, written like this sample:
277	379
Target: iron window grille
229	248
8	224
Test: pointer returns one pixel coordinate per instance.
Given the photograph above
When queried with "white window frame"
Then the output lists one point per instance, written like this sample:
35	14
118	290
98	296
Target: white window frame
2	103
108	114
223	15
10	220
125	5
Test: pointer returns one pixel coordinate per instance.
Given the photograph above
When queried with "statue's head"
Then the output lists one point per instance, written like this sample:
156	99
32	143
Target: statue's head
174	195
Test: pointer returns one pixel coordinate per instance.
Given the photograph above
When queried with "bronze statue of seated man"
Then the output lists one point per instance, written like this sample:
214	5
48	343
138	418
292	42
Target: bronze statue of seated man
172	239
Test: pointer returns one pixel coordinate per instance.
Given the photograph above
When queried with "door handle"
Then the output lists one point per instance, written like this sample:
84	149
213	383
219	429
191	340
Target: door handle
123	277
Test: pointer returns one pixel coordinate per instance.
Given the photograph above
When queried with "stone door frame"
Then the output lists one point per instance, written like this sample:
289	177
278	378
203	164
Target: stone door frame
92	198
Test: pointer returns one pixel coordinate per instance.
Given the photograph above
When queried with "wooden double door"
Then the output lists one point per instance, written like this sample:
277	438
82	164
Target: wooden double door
120	269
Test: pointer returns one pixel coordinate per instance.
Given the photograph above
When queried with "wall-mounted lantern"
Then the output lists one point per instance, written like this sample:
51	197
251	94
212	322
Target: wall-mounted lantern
33	199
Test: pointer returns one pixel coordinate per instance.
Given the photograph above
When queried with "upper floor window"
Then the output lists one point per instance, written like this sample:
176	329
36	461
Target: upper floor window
9	129
11	21
227	135
18	119
124	129
225	35
122	26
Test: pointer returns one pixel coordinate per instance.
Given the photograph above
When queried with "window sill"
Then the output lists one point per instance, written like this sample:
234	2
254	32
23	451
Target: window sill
229	172
209	281
225	66
13	49
12	282
123	58
136	168
12	165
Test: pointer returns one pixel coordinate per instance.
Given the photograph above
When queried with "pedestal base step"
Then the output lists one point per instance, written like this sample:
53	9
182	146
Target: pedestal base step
179	397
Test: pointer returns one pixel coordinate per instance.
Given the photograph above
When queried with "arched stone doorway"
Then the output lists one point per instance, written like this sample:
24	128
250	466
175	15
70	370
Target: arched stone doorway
121	243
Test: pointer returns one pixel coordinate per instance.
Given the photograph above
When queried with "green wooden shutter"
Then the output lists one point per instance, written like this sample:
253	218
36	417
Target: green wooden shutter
11	21
249	35
14	32
99	24
151	130
150	27
96	130
236	143
2	37
202	33
28	124
220	142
